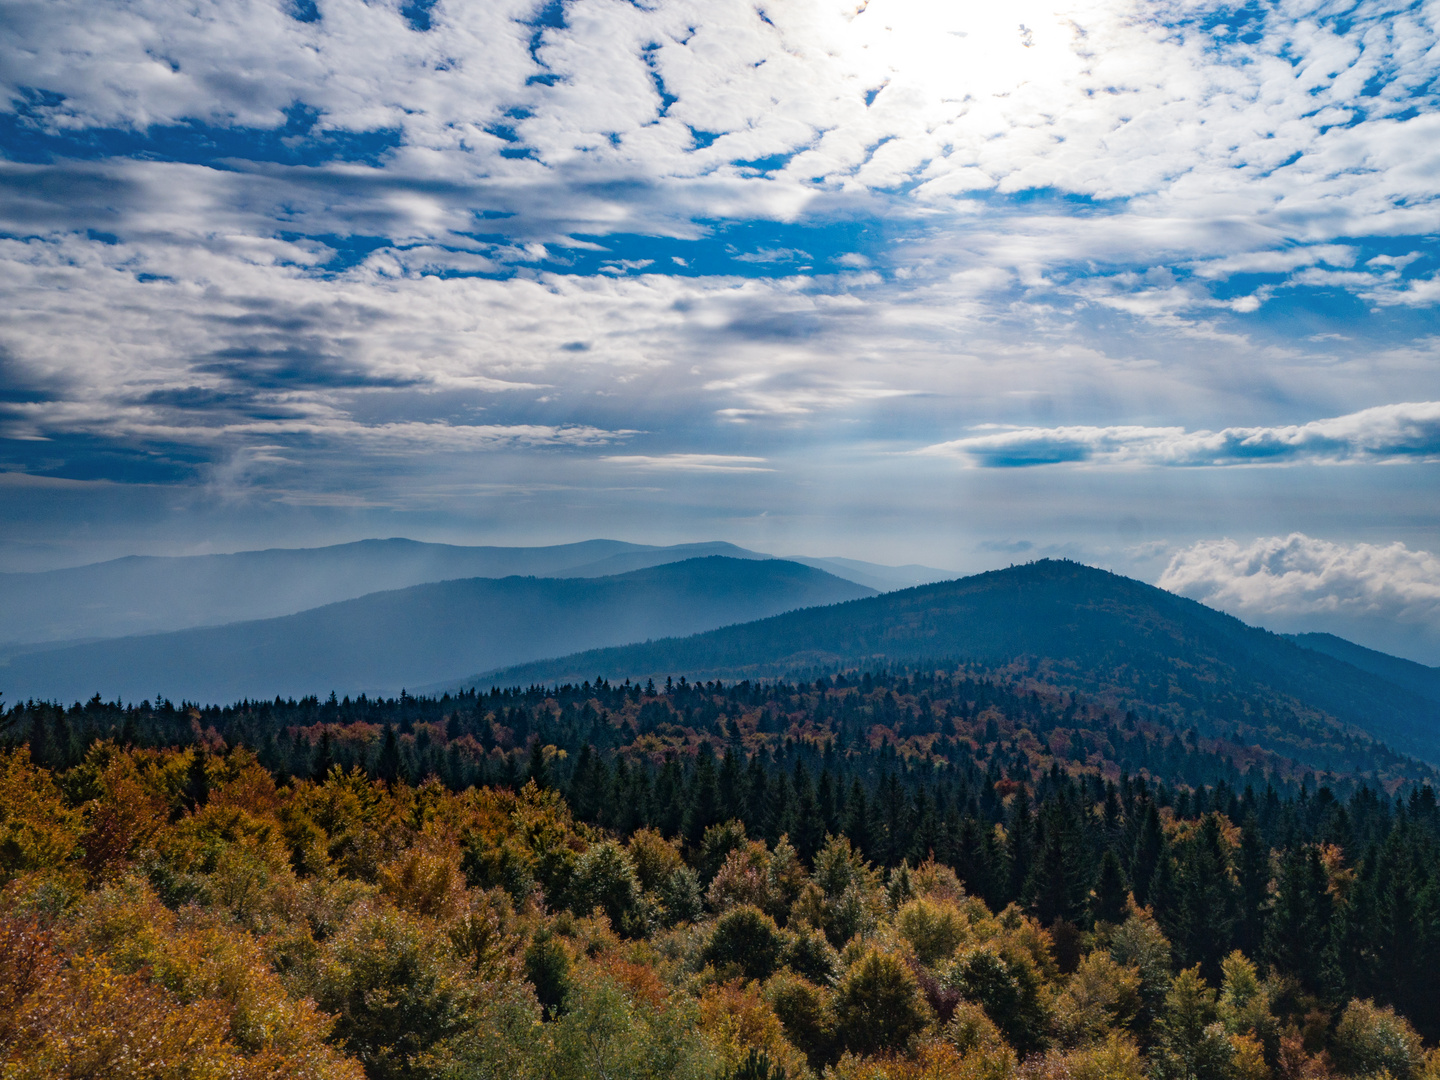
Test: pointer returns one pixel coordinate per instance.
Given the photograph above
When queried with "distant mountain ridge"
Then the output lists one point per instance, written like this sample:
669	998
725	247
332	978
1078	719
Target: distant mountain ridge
1069	624
1413	676
150	594
384	641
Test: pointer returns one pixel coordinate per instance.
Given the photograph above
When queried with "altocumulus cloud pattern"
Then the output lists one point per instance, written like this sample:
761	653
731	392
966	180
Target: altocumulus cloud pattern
717	257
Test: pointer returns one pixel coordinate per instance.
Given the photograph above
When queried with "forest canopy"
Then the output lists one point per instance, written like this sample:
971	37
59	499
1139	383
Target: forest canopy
876	876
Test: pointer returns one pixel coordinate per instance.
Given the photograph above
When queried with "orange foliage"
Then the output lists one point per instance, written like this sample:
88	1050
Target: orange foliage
641	982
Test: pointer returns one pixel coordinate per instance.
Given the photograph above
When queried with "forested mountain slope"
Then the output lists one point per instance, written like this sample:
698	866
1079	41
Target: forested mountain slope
1419	678
1068	625
407	637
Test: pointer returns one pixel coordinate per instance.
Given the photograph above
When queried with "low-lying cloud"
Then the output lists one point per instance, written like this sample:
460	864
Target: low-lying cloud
1298	576
1406	431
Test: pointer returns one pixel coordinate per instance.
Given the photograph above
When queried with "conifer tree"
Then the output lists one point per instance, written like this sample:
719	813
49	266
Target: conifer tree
387	765
857	820
324	758
702	806
1107	900
1206	900
1253	872
1301	935
1148	852
1019	844
1057	881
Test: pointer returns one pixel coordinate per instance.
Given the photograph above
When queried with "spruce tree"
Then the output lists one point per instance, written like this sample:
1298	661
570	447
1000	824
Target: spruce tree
324	758
538	771
857	820
1149	849
702	805
1057	879
1019	845
1253	872
1206	900
807	828
387	765
1107	900
1301	936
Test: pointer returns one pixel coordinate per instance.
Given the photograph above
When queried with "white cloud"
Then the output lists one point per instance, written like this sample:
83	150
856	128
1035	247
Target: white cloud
1299	576
1403	432
727	463
1300	126
1165	160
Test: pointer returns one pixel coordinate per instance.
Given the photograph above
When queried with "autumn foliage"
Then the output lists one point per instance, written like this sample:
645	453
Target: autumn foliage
178	913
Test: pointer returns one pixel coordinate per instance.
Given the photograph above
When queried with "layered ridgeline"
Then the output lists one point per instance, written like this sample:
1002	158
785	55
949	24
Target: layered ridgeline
1418	678
147	594
386	641
1071	627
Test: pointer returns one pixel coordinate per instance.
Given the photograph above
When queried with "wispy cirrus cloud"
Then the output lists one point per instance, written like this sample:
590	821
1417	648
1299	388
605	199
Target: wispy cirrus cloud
1402	432
722	463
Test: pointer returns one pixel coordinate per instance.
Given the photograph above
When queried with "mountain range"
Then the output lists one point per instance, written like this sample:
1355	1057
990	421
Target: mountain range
617	610
386	641
1064	624
149	594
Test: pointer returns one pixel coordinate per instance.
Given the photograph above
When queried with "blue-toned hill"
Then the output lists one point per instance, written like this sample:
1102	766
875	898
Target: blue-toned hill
409	637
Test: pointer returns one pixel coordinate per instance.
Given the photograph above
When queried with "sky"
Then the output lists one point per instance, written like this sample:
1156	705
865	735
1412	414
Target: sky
1150	285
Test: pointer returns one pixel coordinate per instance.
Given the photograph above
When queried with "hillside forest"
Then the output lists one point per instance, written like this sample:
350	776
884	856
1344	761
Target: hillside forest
895	874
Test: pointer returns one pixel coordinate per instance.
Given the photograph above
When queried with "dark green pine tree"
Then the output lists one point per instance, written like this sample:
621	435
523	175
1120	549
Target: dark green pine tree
858	827
702	805
1253	872
1162	891
197	780
807	827
777	815
510	773
1019	845
757	795
584	791
1206	900
668	814
897	819
1107	899
828	804
40	752
1395	928
1301	935
387	764
977	860
925	837
1056	884
633	797
538	769
731	783
455	772
1148	852
63	748
324	758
